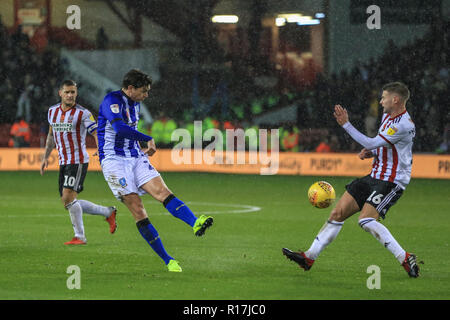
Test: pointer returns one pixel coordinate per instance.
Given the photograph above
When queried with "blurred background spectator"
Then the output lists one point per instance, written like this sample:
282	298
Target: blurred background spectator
20	134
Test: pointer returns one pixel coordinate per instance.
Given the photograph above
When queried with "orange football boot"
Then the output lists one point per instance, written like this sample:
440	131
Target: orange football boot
76	241
112	220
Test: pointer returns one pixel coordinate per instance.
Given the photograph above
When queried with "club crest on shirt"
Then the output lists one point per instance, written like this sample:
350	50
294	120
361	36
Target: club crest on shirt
123	182
114	108
392	131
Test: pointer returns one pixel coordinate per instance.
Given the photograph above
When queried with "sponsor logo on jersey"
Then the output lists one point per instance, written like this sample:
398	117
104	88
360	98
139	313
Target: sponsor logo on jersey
392	131
62	127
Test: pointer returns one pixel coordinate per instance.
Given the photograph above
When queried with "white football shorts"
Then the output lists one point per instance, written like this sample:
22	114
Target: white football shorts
127	175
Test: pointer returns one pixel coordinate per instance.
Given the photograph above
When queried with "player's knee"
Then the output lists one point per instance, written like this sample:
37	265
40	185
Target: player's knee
69	203
161	194
138	211
135	205
68	196
337	214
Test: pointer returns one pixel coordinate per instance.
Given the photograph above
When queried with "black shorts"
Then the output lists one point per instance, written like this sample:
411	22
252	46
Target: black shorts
71	176
380	194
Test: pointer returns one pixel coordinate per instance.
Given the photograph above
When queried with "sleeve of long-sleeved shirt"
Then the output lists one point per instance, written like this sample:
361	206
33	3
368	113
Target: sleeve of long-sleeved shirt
89	121
112	111
366	142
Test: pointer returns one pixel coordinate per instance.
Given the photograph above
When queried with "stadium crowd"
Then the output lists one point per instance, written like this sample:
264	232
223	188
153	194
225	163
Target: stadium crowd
29	81
359	90
28	84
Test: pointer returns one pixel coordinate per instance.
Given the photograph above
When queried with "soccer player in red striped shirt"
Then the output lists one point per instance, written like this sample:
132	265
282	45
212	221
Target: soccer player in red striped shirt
375	193
69	123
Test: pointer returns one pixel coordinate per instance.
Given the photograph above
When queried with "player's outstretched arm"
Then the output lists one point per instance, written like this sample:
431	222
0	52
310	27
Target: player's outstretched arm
341	116
124	131
49	145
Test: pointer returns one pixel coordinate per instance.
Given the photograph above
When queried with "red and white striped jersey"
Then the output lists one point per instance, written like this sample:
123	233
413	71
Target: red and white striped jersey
69	132
393	162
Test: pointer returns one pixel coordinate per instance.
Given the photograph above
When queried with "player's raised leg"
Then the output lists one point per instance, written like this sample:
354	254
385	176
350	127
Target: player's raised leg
147	230
345	208
368	221
158	190
108	212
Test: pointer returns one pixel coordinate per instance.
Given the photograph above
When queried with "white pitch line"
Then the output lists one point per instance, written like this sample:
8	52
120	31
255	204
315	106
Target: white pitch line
239	208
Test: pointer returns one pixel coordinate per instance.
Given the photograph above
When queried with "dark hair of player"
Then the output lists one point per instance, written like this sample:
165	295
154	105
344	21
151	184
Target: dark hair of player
136	78
399	88
68	83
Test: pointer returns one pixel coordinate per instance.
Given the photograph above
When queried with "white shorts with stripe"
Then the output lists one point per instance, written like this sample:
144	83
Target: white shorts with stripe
127	175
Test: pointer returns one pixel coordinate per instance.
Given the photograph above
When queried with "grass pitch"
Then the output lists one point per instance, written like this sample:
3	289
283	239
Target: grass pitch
239	258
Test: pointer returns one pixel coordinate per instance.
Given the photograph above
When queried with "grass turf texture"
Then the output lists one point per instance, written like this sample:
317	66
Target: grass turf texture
238	258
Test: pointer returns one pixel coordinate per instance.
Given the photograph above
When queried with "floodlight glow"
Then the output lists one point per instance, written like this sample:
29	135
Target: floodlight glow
279	22
297	18
290	17
293	18
320	15
309	22
225	19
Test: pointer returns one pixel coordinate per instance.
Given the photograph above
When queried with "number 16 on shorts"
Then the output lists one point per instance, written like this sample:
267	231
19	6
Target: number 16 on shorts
375	198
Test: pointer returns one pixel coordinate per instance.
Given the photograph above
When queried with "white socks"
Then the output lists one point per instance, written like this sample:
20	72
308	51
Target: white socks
331	229
325	236
76	215
384	236
92	208
76	209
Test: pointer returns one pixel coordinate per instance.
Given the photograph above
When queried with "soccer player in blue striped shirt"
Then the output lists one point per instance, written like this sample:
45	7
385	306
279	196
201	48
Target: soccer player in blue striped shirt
127	169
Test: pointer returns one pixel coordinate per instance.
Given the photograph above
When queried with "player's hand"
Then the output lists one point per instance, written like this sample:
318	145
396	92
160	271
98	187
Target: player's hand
340	114
44	165
151	148
365	154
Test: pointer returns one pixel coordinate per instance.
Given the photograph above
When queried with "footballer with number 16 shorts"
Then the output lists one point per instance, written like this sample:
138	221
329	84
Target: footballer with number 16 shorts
375	193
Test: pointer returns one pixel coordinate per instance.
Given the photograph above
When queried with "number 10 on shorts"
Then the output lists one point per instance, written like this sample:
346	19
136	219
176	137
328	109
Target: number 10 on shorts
69	181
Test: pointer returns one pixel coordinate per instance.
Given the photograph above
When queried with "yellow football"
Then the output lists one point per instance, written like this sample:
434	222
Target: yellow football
321	194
